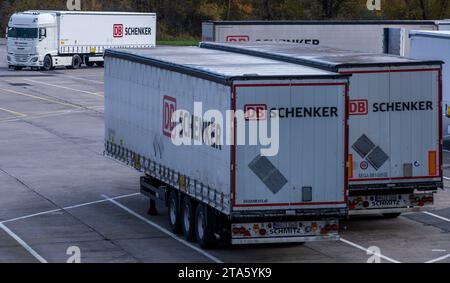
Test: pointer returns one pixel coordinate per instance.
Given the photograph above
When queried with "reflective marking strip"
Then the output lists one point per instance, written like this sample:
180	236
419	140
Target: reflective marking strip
432	166
165	231
350	166
23	244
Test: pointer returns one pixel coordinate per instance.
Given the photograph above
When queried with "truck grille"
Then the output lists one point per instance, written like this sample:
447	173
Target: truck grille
268	173
22	57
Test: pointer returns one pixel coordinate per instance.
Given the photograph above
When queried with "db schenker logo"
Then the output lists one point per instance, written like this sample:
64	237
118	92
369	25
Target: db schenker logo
118	30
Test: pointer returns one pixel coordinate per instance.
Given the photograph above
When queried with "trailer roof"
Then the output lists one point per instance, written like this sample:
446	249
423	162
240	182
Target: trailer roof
335	22
219	66
435	34
318	57
86	12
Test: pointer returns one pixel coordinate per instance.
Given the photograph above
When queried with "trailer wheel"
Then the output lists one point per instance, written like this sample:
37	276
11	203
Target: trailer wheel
48	63
174	213
100	64
87	62
76	62
391	215
202	231
188	219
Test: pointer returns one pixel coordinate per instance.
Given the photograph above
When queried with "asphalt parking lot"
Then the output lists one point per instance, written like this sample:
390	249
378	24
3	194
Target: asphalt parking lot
58	191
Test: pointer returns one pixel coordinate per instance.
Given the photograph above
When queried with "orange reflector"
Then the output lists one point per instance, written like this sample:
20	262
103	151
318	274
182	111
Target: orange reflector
432	163
350	166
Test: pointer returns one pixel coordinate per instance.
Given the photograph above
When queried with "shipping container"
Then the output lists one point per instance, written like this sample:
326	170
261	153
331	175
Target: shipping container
245	195
48	39
395	137
435	46
389	37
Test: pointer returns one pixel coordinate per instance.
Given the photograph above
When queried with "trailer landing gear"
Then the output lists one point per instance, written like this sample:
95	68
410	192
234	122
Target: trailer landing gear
152	211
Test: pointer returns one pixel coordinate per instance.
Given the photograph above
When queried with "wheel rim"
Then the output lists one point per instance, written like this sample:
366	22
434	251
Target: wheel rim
173	215
187	218
47	63
200	230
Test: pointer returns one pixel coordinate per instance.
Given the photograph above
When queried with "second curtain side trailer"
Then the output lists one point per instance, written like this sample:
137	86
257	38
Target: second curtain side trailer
367	36
229	189
395	136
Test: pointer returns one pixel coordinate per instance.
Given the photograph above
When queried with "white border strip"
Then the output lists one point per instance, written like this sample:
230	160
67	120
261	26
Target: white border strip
369	252
437	216
165	231
439	259
23	244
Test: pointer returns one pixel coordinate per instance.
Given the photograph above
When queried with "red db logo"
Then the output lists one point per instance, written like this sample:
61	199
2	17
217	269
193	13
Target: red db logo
359	107
169	108
255	112
118	30
238	38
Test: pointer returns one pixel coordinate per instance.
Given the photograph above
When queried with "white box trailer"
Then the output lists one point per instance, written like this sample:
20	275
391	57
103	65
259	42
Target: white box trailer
367	36
435	46
234	191
49	39
395	137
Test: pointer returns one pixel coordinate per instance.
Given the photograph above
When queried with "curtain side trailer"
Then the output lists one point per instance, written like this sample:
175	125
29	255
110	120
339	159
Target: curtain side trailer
395	136
435	46
230	191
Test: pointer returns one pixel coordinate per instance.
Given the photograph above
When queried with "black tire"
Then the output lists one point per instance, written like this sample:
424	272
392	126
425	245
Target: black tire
17	68
188	219
76	62
391	215
87	62
48	63
202	231
100	64
174	213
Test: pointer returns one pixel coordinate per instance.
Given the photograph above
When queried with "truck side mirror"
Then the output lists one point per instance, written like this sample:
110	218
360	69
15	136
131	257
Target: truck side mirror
42	33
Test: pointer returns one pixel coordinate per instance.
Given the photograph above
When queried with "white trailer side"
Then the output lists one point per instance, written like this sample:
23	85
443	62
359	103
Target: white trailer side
395	137
295	195
365	36
435	46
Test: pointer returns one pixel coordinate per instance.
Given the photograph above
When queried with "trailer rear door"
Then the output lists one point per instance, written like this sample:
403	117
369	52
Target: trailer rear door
309	170
395	132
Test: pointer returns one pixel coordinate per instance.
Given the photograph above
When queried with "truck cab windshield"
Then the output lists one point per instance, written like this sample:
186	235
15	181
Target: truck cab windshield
14	32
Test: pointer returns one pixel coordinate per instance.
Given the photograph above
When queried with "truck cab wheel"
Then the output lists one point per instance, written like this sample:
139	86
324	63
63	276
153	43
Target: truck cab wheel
174	213
188	219
391	215
87	62
17	68
48	63
202	231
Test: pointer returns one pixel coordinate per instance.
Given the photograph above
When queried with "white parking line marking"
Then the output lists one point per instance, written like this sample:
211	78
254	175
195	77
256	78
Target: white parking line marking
64	87
439	259
66	208
17	114
40	98
23	244
165	231
87	80
368	251
446	178
437	216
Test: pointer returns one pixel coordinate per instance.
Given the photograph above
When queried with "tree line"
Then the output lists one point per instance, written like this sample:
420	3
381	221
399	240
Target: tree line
181	19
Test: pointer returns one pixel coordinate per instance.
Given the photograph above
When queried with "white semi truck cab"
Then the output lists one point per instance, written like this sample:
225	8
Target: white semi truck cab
48	39
30	37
